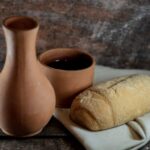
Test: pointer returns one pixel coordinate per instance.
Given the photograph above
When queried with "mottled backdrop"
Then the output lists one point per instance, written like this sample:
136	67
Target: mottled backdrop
115	32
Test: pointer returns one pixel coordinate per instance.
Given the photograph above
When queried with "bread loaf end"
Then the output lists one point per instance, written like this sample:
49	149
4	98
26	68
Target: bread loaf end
92	111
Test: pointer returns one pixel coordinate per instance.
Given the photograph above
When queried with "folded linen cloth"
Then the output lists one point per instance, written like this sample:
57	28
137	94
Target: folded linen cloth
132	135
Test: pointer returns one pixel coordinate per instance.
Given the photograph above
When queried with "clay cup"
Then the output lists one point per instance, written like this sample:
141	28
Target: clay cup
69	70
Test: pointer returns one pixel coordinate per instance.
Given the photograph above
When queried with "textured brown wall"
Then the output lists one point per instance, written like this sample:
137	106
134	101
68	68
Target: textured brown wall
116	32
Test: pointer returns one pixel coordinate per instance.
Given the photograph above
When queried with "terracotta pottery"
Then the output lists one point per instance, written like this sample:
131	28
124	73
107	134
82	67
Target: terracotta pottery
67	82
27	97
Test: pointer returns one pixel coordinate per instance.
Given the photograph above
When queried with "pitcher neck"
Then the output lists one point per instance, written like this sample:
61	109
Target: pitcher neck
20	34
20	43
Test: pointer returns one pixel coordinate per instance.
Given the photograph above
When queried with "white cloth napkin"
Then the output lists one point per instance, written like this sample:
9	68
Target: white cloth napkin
132	135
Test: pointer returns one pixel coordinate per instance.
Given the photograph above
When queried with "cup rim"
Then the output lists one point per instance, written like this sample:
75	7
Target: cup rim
15	18
44	54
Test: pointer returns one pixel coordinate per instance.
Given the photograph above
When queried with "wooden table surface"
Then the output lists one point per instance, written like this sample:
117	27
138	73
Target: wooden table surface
53	137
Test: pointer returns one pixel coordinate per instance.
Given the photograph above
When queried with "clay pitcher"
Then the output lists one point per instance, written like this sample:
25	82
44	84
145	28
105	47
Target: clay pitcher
27	97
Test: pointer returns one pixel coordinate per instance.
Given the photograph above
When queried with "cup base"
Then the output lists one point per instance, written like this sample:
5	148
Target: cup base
28	135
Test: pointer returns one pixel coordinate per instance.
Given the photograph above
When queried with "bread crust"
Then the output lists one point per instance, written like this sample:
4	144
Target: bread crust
112	103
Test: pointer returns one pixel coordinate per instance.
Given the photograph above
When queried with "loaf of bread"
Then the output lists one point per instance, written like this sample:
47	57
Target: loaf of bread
112	103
